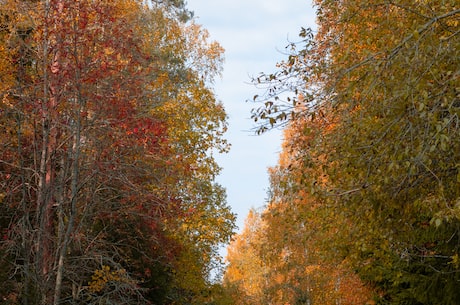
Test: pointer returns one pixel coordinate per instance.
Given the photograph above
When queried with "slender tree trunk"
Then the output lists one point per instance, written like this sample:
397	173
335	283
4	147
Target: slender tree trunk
48	156
25	224
70	225
42	174
76	127
75	172
338	300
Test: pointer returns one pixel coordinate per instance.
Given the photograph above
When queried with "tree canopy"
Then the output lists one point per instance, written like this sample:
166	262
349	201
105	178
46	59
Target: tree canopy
368	181
107	184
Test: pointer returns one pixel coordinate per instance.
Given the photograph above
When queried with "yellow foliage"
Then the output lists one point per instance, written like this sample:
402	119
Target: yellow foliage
102	277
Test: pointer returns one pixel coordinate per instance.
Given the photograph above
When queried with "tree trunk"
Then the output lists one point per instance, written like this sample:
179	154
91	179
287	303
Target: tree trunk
43	184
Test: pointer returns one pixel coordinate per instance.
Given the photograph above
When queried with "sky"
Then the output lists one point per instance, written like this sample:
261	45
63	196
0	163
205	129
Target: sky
254	34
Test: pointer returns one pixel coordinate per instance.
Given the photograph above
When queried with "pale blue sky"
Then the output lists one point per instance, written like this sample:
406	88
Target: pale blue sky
253	33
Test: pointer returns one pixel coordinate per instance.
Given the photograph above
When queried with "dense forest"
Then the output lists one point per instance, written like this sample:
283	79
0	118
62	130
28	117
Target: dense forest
107	189
108	126
364	203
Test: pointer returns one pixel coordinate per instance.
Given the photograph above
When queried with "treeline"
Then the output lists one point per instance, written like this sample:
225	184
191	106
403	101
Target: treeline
364	204
107	118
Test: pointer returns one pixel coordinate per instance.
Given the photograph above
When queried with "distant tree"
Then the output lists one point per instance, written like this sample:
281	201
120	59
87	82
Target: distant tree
246	272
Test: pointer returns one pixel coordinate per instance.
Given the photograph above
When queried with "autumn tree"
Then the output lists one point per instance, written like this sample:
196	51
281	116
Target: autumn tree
97	178
298	241
384	74
245	275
